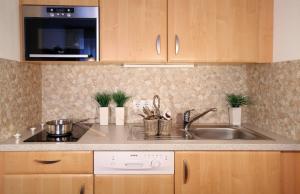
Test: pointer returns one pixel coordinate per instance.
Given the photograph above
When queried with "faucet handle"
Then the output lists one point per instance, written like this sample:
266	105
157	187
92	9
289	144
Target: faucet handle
186	116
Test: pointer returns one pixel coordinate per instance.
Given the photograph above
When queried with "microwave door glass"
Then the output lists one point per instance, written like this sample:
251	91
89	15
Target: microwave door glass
60	39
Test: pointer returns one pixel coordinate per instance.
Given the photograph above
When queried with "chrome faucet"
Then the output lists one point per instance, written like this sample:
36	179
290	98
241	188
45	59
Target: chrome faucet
189	121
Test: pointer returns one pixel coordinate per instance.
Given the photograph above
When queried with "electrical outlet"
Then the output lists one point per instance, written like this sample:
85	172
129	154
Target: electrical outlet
138	105
148	103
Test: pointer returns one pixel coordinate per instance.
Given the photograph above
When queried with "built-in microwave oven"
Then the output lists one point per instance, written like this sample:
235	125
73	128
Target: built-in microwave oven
55	33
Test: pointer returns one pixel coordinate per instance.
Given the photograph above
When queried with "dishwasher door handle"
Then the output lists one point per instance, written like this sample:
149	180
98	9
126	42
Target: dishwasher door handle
134	165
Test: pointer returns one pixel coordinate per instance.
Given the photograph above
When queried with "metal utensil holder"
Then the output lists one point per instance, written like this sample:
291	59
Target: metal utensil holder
151	127
165	127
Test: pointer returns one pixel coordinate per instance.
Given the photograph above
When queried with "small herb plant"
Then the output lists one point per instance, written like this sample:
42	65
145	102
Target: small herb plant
120	98
237	100
103	98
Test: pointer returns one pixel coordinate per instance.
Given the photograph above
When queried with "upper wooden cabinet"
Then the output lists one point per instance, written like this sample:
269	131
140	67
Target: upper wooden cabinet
60	2
227	173
133	31
220	30
198	31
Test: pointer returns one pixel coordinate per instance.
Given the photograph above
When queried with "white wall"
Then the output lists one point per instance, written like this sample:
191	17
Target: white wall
286	30
9	30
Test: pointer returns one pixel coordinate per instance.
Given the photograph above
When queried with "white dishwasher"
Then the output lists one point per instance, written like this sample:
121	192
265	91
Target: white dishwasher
134	172
123	163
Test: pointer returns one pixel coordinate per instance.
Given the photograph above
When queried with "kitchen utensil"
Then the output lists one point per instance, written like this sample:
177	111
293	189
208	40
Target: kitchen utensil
61	127
147	111
142	115
166	115
156	105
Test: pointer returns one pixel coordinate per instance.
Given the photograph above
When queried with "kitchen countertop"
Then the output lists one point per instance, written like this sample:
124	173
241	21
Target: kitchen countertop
117	138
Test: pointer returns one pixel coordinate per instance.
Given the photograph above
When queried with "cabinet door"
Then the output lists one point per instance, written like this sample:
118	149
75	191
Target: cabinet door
133	31
290	172
134	184
71	162
48	184
227	173
220	30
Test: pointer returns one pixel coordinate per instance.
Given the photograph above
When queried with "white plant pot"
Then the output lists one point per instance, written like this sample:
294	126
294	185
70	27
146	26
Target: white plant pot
103	115
235	116
120	116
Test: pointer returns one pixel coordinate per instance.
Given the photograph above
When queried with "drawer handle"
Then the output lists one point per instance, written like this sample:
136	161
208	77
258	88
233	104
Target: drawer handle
185	172
82	189
47	161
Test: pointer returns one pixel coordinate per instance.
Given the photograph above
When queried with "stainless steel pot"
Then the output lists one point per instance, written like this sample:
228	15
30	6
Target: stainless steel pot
62	127
59	127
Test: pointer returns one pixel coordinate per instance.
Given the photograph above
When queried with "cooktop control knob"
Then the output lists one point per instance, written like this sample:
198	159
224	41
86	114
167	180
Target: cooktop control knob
155	163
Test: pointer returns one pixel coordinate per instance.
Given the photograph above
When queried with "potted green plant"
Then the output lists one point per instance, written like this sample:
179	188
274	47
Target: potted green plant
103	100
236	101
120	98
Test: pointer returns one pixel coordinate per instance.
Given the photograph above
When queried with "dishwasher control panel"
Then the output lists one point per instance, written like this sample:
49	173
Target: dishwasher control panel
133	162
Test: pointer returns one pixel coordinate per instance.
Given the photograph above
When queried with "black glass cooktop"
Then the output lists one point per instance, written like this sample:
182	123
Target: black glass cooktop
78	131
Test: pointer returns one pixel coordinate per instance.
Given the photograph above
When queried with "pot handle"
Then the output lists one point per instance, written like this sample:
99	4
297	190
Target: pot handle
47	161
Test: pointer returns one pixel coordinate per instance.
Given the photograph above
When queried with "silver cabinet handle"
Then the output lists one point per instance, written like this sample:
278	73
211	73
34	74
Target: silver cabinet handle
177	44
158	45
47	161
82	189
185	172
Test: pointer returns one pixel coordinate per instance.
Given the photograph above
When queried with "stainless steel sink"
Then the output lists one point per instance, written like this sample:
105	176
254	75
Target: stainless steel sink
226	134
220	132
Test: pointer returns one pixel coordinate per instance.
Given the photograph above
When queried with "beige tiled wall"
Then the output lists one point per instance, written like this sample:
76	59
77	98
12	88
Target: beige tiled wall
68	89
20	96
31	93
275	89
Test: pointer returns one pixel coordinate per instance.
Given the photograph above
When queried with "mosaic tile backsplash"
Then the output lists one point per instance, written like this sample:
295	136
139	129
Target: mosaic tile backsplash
68	90
20	97
275	90
31	93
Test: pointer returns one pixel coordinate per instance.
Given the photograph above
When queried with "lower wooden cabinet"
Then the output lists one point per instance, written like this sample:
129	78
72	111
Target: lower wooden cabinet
134	184
1	172
48	184
71	162
290	165
227	173
220	172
